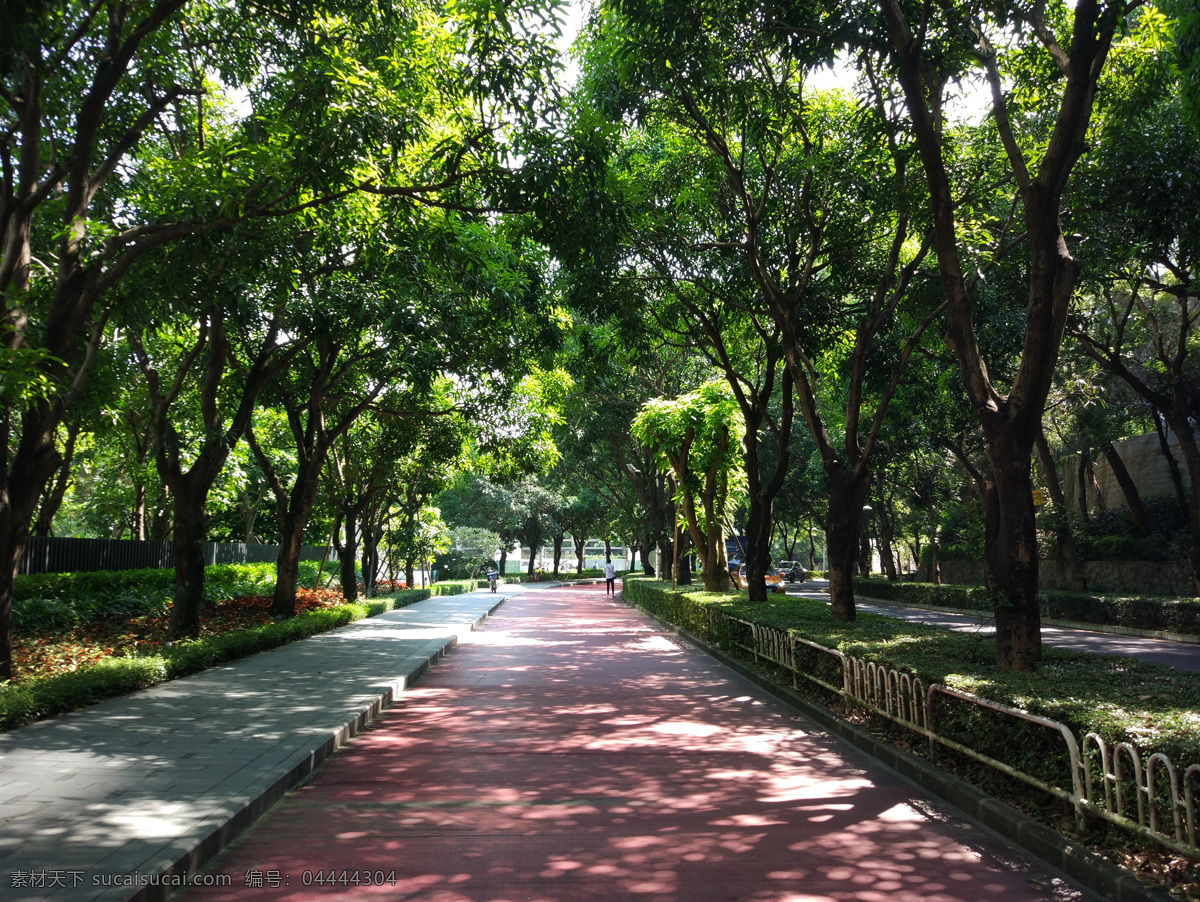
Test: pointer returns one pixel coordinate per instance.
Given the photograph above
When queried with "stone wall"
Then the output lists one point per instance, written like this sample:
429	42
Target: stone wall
1172	578
1143	458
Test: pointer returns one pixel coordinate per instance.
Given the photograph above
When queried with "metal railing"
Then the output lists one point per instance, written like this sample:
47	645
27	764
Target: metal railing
1138	798
45	554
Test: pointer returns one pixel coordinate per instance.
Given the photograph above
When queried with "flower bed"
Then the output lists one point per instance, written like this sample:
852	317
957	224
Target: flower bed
51	651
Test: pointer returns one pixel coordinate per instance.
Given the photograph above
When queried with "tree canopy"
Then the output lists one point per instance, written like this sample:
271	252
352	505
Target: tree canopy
369	274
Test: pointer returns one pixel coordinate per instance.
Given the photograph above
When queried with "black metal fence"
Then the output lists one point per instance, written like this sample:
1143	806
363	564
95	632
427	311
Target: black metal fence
51	555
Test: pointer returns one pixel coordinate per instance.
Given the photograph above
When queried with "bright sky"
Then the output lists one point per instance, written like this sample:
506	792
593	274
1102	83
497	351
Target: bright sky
973	104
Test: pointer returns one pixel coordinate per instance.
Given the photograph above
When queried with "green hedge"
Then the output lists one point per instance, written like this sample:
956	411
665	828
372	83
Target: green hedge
1120	698
566	575
24	702
60	600
1136	612
454	587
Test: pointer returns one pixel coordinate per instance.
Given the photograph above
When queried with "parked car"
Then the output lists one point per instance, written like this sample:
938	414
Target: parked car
792	571
774	580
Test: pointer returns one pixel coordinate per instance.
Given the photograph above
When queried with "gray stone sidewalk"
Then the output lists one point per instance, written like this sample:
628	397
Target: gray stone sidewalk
100	802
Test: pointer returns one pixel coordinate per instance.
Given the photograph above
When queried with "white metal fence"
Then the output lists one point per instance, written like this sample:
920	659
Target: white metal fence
1156	799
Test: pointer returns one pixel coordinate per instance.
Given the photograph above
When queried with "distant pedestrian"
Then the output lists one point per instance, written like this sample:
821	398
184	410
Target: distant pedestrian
610	578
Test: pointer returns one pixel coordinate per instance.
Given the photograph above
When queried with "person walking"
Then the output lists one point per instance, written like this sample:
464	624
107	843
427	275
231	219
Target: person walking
610	578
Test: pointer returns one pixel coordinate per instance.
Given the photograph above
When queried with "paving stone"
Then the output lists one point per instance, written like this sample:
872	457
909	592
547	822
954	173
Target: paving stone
131	787
571	751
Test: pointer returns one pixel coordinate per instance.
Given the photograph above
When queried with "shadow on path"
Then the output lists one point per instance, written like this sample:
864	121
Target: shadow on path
569	750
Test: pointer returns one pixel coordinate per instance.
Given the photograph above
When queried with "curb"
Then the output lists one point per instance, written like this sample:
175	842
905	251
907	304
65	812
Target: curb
238	821
1072	859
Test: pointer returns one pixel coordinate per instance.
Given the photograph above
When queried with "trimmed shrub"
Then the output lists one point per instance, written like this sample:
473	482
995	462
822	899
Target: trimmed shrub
454	587
36	699
59	600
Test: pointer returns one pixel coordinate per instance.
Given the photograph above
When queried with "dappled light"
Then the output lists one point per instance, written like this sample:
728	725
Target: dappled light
570	751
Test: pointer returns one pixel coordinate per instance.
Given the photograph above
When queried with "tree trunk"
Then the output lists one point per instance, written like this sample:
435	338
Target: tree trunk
1172	464
558	544
292	524
1076	577
1181	425
666	558
1094	485
52	497
503	560
250	513
758	544
683	564
762	494
886	552
34	463
191	529
160	526
1011	553
1133	500
1081	486
887	531
139	511
370	551
580	544
843	526
347	555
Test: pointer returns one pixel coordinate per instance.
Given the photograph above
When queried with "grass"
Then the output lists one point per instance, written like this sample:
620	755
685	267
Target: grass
1153	707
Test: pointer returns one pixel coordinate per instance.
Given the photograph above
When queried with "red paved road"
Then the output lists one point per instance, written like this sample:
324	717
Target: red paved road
569	750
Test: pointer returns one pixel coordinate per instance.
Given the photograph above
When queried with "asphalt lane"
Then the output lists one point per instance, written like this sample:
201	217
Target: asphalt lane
572	750
1180	655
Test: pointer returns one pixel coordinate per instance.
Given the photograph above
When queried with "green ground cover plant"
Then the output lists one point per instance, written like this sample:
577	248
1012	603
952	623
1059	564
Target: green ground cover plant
1177	615
1153	707
61	602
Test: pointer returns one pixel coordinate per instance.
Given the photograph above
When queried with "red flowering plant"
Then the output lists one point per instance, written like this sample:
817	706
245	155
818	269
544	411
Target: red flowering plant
51	650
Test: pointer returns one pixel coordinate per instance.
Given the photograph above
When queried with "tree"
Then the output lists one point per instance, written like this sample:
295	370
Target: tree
119	138
691	437
428	537
536	510
583	517
199	364
476	501
615	372
364	349
1059	85
1137	317
789	184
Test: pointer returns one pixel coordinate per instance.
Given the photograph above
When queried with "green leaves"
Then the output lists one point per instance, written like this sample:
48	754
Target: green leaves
691	435
25	374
